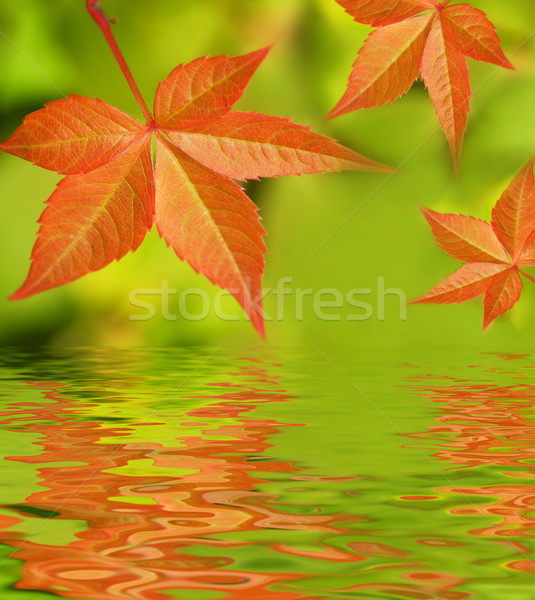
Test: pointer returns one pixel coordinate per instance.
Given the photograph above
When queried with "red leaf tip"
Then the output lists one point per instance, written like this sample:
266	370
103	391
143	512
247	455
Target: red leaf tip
21	293
257	320
258	56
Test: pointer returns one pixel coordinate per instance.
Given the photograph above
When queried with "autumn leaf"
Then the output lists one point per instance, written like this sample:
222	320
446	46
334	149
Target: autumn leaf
493	252
420	36
112	194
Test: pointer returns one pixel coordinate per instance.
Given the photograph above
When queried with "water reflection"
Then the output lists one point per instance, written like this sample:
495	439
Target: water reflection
481	427
155	477
145	506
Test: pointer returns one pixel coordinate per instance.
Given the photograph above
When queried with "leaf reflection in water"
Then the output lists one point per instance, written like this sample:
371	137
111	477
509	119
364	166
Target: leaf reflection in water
487	426
150	489
145	504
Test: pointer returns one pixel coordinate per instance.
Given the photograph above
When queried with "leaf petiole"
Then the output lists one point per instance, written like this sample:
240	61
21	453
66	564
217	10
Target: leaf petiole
104	23
525	274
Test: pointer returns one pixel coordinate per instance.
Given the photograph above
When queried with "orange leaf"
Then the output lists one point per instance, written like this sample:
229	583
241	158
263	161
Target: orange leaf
470	281
211	223
414	36
502	295
204	89
386	67
475	34
74	135
465	238
513	217
91	220
105	205
527	257
489	270
384	12
248	145
445	74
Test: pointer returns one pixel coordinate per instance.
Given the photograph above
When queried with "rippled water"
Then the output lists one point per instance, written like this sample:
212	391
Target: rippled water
268	474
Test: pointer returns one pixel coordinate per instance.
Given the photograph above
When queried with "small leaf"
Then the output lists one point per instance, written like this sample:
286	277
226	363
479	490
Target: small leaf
475	34
465	238
74	135
502	295
204	89
384	12
386	67
513	217
527	257
470	281
91	220
489	269
210	223
445	74
244	145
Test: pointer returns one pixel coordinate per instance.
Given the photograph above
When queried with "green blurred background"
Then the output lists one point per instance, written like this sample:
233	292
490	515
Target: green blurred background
338	231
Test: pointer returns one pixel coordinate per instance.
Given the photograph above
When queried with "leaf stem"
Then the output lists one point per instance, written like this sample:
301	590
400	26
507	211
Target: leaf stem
526	275
104	22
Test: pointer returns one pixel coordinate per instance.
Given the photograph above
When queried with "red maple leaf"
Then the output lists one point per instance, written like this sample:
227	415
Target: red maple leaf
112	192
427	36
493	252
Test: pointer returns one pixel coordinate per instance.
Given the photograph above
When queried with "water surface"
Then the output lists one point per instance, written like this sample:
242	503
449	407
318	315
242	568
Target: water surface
266	474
